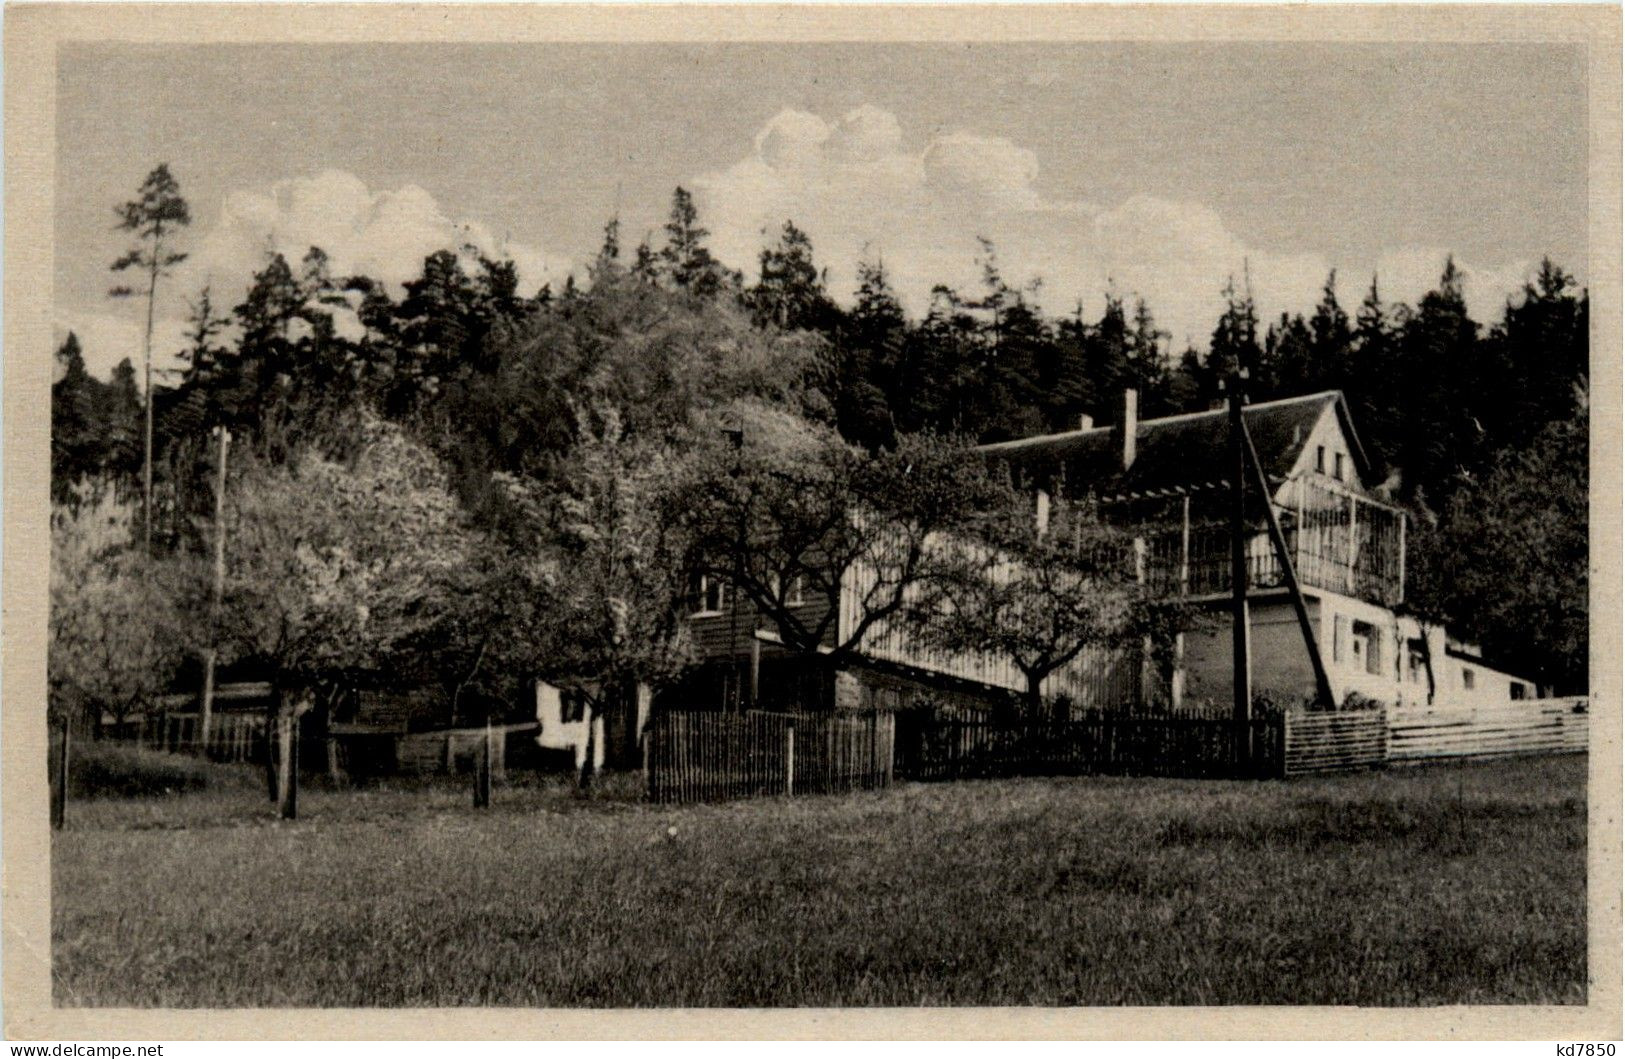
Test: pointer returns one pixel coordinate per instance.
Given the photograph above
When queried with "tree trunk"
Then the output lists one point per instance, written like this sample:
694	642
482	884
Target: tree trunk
1035	697
273	714
205	715
584	776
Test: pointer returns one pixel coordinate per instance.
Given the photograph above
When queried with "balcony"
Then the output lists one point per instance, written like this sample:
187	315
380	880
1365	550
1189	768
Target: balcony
1339	542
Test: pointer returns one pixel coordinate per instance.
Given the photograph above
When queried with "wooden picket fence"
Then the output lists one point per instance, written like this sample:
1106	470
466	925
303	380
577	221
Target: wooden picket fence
1340	741
696	756
948	748
1552	726
232	736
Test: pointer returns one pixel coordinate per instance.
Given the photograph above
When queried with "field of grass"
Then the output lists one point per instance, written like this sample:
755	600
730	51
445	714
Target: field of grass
1462	884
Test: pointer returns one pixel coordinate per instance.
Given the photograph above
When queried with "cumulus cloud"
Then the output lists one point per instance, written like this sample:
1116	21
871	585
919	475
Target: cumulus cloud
382	234
1406	274
107	337
862	192
982	171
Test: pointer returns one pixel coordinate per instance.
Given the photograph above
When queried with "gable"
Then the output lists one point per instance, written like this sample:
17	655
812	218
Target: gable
1327	446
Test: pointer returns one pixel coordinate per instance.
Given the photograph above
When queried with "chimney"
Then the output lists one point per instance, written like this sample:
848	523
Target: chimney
1086	422
1131	425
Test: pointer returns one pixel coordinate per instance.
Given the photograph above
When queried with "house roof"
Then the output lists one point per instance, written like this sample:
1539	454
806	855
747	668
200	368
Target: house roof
1178	453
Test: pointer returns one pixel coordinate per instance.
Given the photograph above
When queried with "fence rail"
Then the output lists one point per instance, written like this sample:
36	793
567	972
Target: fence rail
1558	726
1193	746
695	756
1335	742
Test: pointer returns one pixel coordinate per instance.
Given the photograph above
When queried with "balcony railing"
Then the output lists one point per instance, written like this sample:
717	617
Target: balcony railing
1338	542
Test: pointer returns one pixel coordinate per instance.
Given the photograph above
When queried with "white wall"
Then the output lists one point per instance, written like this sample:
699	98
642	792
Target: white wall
1397	682
559	734
1281	660
1327	432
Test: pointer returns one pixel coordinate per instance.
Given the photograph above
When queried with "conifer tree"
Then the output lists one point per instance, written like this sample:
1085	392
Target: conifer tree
1330	340
1234	345
1148	363
154	218
77	448
685	260
790	293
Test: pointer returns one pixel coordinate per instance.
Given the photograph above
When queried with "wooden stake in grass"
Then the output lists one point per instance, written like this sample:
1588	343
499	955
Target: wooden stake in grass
790	760
288	765
482	772
59	792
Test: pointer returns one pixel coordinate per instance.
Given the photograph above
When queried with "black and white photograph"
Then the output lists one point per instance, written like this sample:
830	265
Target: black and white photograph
1018	522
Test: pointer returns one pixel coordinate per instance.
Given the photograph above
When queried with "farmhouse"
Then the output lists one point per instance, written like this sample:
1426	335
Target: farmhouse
1169	481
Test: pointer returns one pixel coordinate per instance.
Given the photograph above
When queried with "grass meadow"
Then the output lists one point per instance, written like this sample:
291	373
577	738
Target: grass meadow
1440	885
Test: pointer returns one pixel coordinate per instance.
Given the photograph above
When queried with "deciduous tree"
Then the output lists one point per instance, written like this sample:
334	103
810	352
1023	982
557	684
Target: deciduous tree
115	635
1038	595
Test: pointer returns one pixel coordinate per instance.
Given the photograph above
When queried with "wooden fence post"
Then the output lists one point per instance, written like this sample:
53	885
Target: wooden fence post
874	747
59	793
891	745
647	735
482	773
790	759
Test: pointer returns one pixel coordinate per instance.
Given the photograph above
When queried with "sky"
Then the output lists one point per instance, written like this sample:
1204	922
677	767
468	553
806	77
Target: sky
1154	170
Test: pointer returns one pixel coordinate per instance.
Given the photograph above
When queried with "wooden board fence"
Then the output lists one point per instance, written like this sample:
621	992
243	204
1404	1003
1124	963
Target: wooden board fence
1527	727
694	756
1335	741
931	748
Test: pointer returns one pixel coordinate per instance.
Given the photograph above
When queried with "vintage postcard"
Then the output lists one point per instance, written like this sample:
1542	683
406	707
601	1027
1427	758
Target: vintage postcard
812	522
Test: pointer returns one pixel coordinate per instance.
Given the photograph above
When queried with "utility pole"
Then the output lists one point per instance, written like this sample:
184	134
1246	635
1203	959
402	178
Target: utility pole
1283	556
1241	648
216	598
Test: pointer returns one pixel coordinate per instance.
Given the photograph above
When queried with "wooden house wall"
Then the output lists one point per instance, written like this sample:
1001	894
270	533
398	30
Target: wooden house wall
731	632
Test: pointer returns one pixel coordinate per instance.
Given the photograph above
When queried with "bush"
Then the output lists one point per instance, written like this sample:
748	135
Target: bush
112	770
1275	702
1354	700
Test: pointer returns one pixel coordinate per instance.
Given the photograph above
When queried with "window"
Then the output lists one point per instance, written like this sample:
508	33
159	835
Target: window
796	594
1338	473
708	594
1416	661
572	706
1367	646
1467	678
1519	689
1320	459
1340	637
